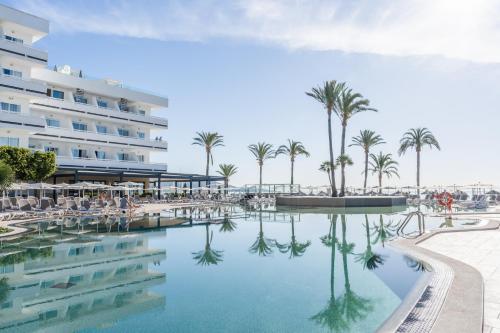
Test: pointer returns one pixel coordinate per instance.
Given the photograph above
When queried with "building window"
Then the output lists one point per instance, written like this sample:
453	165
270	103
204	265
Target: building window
122	156
101	129
12	72
6	305
75	279
123	132
98	249
140	158
13	39
102	104
76	251
6	269
142	112
9	107
53	122
46	284
81	99
98	275
78	153
100	155
55	93
8	141
82	127
141	135
55	150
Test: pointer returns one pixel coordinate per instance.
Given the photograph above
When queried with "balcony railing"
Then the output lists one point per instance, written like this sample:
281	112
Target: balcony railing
109	163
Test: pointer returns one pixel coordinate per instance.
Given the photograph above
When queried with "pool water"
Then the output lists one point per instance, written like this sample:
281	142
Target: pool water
207	270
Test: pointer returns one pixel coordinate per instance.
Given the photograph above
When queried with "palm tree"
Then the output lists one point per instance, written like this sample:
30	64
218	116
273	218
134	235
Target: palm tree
383	231
383	164
6	177
295	248
348	105
355	307
226	171
209	140
331	316
293	149
227	224
208	256
366	140
370	259
262	151
326	166
328	95
417	138
263	246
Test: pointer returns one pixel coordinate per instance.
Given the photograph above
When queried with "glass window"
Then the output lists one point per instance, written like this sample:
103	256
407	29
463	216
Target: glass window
122	157
98	275
53	122
12	72
79	153
121	270
8	141
81	99
142	112
55	150
123	132
141	135
101	129
5	269
98	248
75	278
9	107
6	305
102	104
140	158
100	155
57	94
46	284
13	39
79	126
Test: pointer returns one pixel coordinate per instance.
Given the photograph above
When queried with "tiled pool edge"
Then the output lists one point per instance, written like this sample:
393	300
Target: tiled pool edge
458	304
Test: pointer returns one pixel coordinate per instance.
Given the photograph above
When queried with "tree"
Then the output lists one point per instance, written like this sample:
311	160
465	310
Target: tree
209	141
19	160
227	224
368	258
263	246
6	176
328	95
262	151
43	165
383	164
366	140
295	248
208	256
292	149
226	171
348	105
327	166
417	138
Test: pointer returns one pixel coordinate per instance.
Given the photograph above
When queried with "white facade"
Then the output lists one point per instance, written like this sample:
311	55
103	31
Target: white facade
92	124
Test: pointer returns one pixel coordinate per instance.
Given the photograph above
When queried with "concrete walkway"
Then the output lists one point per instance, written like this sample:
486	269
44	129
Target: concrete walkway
481	250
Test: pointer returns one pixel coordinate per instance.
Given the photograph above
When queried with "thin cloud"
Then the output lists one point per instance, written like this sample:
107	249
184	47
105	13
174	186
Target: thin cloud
466	30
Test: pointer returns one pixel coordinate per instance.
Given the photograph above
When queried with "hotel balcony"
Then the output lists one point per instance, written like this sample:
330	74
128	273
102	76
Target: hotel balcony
99	113
21	121
23	51
93	138
21	86
95	164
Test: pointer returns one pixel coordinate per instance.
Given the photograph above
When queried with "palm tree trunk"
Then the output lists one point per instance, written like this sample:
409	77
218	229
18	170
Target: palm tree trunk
344	255
334	187
342	165
208	164
226	185
418	173
366	172
329	178
367	226
260	179
291	173
380	182
332	259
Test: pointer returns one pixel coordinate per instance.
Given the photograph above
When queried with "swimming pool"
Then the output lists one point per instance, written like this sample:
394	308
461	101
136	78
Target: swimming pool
224	269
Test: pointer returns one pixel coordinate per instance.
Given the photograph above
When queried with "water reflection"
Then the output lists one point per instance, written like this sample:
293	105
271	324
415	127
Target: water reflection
417	265
263	246
227	225
296	249
208	256
383	231
368	258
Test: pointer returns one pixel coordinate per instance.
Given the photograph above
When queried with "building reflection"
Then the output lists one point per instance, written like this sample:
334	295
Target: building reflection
64	283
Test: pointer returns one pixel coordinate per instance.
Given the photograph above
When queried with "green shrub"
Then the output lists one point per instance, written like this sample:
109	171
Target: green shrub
28	165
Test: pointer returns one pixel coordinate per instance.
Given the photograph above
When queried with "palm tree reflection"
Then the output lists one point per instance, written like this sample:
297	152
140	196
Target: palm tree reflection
263	246
227	224
417	265
383	232
369	259
295	248
208	256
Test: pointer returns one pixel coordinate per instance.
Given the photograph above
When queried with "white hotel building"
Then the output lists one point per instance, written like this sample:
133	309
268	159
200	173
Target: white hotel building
100	129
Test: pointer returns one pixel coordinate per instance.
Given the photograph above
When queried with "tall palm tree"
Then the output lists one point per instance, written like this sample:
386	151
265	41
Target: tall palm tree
209	140
348	105
208	256
368	258
383	164
295	248
263	246
327	166
366	140
328	95
262	151
226	171
417	138
354	306
331	316
292	149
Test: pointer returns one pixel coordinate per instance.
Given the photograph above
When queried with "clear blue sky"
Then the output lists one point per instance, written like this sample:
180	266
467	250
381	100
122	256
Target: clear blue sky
241	69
